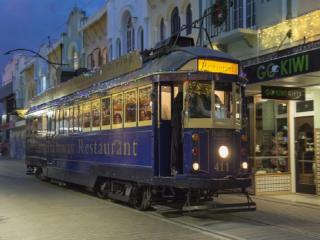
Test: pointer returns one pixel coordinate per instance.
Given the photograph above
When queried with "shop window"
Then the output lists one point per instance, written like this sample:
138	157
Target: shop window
86	117
106	113
200	99
145	106
70	120
130	102
271	137
76	115
117	111
304	106
95	113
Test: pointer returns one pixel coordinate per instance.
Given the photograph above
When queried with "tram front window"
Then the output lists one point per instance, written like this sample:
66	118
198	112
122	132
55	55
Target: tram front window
223	100
200	99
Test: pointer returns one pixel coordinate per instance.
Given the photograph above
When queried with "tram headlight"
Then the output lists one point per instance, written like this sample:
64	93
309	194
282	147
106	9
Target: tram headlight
244	165
196	166
223	151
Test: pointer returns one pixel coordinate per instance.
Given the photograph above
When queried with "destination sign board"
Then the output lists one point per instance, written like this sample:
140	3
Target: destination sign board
283	93
218	67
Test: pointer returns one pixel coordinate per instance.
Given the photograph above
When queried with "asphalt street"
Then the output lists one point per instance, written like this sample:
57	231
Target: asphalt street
32	210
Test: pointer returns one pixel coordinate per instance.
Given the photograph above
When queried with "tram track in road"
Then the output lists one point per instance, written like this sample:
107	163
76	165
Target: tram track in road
238	227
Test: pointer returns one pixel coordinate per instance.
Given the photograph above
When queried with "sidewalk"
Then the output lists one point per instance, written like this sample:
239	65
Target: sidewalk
306	200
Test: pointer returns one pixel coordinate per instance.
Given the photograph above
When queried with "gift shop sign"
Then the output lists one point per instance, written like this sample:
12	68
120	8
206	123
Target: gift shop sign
284	67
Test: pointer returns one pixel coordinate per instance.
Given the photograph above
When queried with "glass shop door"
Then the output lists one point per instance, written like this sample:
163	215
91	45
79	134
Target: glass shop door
304	154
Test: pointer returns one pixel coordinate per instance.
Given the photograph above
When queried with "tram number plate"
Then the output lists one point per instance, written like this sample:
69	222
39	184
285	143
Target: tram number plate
222	166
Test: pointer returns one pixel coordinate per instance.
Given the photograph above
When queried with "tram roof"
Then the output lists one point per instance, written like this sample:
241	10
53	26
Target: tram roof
172	61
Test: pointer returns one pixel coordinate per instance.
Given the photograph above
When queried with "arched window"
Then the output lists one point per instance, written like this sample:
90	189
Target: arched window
90	61
175	21
75	60
130	36
140	39
189	19
110	53
105	55
118	48
162	30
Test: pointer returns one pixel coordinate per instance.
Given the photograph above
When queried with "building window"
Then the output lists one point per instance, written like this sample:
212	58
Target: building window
110	53
140	39
130	36
250	14
162	30
105	55
175	21
189	19
237	14
75	58
118	48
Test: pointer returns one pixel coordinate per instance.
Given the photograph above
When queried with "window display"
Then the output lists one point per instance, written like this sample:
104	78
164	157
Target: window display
271	137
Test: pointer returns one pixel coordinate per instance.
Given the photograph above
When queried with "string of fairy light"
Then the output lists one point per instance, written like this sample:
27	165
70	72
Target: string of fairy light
305	27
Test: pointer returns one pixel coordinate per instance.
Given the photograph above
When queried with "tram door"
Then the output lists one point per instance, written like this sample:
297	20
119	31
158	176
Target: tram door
167	127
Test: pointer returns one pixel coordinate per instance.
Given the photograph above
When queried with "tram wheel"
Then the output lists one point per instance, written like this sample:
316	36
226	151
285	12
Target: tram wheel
102	189
141	198
39	174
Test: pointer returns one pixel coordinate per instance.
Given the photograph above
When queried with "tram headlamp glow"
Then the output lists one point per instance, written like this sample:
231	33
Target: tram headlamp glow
223	151
244	165
196	166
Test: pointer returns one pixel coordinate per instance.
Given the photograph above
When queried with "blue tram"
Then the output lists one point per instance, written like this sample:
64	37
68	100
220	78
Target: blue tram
171	129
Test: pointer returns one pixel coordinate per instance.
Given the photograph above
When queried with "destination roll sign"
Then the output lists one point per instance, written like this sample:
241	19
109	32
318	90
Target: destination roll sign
283	93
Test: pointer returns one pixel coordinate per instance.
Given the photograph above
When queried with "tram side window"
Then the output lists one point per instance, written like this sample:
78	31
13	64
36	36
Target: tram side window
60	121
130	99
39	125
76	118
95	113
44	123
106	113
34	125
117	105
223	100
52	123
200	99
65	120
57	128
70	120
145	106
86	117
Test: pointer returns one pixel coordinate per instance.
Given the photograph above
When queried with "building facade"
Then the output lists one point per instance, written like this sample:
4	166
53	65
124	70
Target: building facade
278	43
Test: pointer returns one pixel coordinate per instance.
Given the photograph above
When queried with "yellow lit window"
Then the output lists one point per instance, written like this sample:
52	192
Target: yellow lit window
145	106
130	103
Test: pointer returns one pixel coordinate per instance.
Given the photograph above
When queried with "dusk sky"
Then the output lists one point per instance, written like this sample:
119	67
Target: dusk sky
28	23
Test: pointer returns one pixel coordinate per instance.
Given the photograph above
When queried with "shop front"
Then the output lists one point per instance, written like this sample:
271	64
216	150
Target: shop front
284	121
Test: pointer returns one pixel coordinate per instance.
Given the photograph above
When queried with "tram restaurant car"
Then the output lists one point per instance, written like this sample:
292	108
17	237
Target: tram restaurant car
171	126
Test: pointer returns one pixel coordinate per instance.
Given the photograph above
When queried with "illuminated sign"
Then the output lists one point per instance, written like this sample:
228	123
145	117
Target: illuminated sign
283	93
218	67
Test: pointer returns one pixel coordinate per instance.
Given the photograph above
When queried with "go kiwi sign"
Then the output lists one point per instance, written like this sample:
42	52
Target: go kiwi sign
284	67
